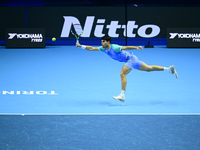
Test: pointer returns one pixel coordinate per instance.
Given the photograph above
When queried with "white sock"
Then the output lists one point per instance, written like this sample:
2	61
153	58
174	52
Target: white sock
122	93
167	69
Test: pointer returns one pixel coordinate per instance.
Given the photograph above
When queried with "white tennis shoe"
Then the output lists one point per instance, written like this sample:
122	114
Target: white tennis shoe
173	71
119	98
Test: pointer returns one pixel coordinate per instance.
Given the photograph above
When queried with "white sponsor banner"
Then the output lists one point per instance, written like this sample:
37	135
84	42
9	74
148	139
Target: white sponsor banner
112	28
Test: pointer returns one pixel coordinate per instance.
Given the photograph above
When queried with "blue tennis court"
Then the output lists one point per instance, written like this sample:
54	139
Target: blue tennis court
100	132
60	98
70	80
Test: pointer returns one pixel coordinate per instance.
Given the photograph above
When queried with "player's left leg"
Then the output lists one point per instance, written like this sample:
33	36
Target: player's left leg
145	67
171	69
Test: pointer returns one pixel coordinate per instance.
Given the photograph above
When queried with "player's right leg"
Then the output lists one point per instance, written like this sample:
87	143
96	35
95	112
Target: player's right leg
125	70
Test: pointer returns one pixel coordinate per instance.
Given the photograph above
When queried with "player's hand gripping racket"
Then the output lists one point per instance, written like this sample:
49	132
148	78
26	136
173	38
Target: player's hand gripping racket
77	32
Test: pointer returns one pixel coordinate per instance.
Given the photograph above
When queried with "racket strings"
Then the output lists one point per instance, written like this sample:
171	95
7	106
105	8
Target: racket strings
78	29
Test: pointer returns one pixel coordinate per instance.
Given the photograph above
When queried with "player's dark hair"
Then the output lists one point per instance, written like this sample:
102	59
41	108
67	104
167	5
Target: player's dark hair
106	38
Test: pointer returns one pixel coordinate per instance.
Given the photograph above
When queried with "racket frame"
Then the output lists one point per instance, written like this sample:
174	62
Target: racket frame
76	35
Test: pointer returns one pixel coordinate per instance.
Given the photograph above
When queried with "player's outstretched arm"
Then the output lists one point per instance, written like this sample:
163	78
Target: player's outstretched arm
90	48
132	47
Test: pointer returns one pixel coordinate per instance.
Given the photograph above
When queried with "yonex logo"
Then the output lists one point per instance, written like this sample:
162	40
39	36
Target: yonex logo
113	28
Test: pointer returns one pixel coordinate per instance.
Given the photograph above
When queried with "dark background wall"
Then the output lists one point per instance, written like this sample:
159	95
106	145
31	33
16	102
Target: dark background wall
49	14
102	2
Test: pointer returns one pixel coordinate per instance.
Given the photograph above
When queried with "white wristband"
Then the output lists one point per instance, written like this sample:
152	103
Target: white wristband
83	47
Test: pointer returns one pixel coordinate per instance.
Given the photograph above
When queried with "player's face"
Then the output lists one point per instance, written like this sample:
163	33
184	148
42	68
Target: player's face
104	43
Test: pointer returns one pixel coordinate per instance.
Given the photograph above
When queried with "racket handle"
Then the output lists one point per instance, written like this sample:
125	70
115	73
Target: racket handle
77	42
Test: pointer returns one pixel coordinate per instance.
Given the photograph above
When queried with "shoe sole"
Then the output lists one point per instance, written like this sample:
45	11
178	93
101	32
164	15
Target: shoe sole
121	100
174	72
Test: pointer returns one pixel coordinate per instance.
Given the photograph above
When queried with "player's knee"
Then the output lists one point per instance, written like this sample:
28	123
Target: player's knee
122	75
149	68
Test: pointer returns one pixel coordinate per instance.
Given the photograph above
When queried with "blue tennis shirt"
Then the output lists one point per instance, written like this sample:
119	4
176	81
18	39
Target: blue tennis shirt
116	53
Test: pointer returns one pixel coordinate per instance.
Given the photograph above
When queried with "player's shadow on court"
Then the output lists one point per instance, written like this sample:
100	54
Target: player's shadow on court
112	104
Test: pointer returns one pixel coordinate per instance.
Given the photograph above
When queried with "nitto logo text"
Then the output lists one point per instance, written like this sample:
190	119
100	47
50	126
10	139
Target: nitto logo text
113	27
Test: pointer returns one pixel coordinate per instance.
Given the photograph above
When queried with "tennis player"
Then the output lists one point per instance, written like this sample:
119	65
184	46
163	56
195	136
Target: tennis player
131	61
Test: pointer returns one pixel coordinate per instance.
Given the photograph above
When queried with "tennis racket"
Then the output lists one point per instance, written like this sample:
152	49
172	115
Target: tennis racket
77	31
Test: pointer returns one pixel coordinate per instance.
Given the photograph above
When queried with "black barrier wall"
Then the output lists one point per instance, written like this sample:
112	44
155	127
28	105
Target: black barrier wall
96	22
11	17
132	25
